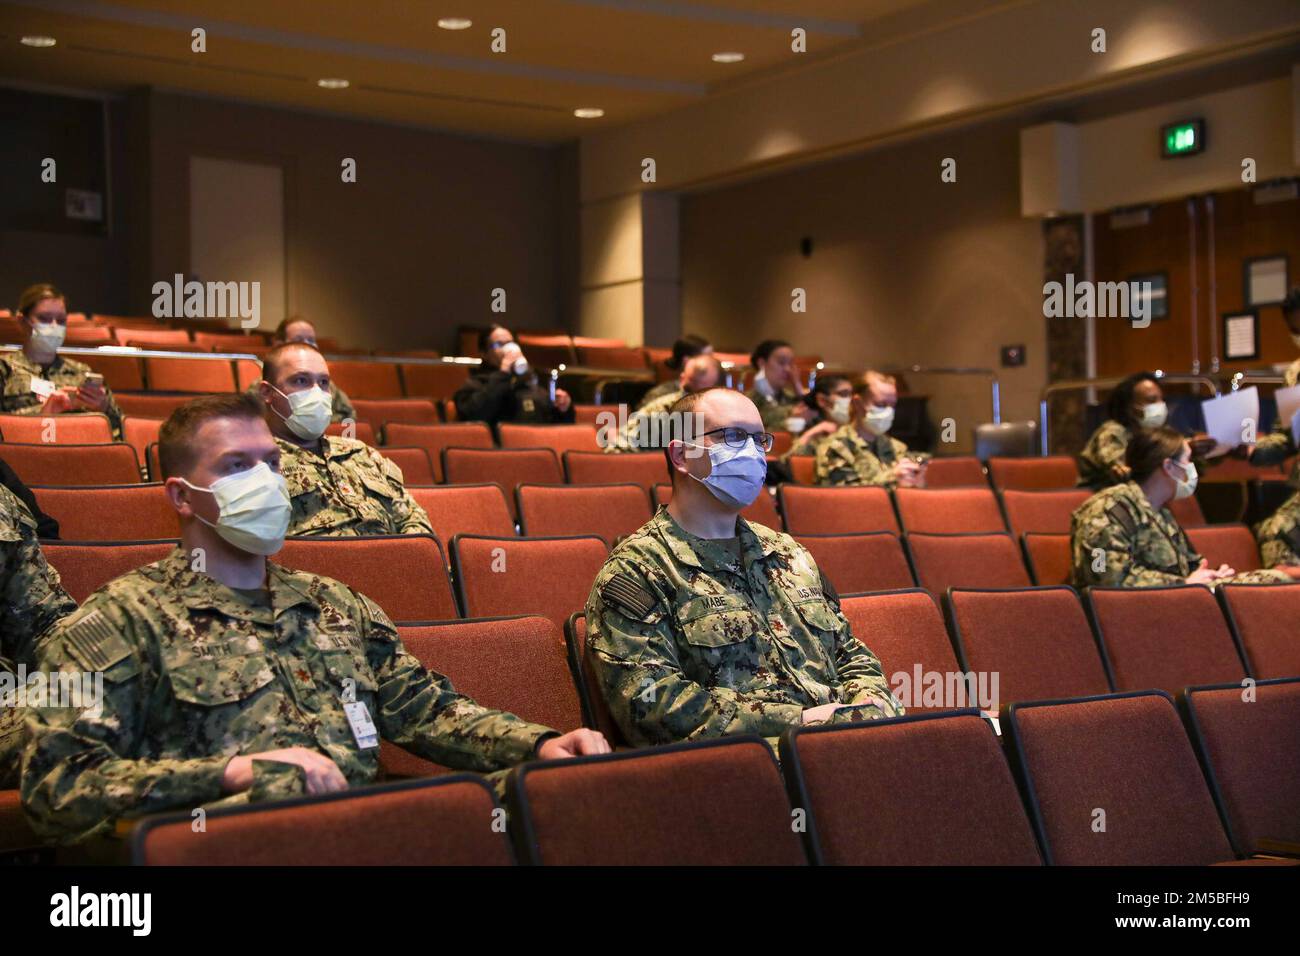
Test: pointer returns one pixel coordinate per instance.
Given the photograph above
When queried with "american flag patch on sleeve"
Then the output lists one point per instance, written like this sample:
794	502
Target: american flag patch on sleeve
628	597
94	644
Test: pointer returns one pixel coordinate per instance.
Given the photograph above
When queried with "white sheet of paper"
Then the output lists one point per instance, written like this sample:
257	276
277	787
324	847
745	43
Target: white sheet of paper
43	388
1225	417
1288	403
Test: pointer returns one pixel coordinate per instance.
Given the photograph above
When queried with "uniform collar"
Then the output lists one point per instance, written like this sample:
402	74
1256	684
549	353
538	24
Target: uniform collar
331	447
21	360
197	590
755	540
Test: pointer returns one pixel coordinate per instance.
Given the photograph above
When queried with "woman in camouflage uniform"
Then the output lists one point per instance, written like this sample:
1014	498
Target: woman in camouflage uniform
1124	536
776	389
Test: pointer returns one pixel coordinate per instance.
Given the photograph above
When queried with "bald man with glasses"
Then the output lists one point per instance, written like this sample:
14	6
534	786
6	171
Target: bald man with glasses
703	624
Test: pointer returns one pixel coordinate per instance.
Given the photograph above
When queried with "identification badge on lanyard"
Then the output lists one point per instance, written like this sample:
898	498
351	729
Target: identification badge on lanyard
363	728
43	388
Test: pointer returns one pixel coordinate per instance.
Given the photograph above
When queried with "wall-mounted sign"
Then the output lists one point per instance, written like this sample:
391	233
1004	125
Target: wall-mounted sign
1241	336
1182	139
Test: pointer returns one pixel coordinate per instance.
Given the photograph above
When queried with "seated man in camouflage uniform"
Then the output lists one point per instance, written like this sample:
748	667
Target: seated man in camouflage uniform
39	381
702	624
227	676
298	329
863	452
641	431
1279	535
338	486
1124	536
31	602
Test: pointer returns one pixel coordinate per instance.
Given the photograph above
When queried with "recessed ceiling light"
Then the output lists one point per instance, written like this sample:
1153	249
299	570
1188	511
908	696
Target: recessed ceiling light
38	41
728	57
455	23
332	83
589	112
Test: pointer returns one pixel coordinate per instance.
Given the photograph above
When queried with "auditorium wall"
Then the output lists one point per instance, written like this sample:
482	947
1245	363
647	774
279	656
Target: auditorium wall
904	268
413	248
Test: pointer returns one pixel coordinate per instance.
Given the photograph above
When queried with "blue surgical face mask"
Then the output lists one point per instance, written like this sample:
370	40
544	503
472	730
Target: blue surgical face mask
738	473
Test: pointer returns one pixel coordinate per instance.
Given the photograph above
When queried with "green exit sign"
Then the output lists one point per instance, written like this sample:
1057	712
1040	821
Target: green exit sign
1182	139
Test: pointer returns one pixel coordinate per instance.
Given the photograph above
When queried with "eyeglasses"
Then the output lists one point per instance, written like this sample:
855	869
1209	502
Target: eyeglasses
736	437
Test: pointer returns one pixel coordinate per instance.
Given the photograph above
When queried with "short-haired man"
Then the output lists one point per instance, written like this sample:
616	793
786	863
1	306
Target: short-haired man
505	387
642	428
863	452
31	602
297	329
229	678
337	486
703	624
1279	535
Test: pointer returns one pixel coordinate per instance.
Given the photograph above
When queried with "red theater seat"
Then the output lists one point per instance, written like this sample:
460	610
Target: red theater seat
850	510
1049	558
610	511
101	464
149	405
547	576
1164	637
943	561
562	438
905	630
434	381
713	803
465	509
1121	762
84	568
81	428
189	375
1230	544
1251	752
366	379
1038	641
405	574
434	438
442	822
1263	620
596	468
135	512
911	818
379	412
1045	512
516	664
506	467
963	471
1033	474
949	510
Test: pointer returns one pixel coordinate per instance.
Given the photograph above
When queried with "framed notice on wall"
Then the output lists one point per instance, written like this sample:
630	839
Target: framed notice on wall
1240	336
1265	281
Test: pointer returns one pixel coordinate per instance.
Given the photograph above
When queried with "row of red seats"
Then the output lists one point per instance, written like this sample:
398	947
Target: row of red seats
551	576
951	796
375	379
854	560
802	509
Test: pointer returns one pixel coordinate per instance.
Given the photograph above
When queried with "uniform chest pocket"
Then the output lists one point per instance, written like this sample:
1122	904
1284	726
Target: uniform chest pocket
817	614
211	683
376	484
351	674
718	620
